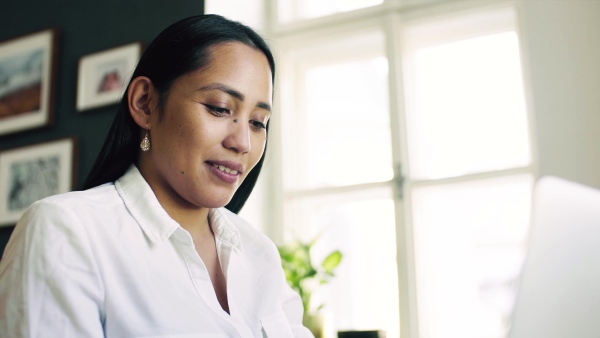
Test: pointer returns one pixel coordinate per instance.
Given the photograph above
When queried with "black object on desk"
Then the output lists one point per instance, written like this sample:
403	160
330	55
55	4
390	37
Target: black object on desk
361	334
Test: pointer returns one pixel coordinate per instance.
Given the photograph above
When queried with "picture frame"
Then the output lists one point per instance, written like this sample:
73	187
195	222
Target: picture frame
102	76
33	172
27	76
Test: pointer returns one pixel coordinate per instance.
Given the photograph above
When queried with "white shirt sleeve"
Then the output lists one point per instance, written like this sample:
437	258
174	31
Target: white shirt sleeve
49	281
292	307
287	322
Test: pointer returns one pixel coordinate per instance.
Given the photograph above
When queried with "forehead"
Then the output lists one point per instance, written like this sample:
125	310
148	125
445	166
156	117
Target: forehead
236	51
238	66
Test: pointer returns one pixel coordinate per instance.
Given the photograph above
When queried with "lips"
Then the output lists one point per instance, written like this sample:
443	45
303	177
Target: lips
227	171
227	165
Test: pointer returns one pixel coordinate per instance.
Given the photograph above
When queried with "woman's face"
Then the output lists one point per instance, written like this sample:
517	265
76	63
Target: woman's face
212	131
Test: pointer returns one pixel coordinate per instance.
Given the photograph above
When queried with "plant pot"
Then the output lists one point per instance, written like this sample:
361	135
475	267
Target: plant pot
314	322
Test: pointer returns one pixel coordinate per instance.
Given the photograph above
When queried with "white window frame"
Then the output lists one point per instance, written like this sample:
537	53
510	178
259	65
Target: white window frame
444	12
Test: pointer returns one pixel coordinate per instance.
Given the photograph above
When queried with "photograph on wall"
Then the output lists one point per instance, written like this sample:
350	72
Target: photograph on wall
103	76
28	174
27	66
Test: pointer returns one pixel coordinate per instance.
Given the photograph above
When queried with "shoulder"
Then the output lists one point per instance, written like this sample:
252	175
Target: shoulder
65	212
101	195
253	241
58	226
83	203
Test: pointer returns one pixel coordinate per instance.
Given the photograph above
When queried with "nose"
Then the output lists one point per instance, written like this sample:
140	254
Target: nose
238	137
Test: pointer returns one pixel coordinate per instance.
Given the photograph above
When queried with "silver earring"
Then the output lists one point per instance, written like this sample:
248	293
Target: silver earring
145	145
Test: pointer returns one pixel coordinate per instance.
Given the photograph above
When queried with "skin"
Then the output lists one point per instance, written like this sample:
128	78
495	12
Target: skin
211	115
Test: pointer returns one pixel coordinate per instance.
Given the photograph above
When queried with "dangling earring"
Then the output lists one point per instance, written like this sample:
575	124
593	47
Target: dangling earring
145	145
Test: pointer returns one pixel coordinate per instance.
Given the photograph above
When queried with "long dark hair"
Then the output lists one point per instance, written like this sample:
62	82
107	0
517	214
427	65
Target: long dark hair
180	49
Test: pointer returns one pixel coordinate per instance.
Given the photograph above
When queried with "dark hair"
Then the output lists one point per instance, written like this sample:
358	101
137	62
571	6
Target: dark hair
180	49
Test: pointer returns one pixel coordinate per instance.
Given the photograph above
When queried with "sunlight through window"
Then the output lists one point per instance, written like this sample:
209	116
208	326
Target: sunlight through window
292	10
469	115
470	161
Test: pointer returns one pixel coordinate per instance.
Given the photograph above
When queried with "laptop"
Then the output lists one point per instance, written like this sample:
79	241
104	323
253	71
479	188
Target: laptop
559	289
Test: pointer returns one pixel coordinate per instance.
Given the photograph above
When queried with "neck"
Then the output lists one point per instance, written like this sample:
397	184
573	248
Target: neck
191	217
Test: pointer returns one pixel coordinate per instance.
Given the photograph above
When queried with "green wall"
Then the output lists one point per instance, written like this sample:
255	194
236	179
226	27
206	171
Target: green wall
85	26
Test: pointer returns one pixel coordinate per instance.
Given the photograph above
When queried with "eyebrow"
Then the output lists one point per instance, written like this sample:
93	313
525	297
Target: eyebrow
236	94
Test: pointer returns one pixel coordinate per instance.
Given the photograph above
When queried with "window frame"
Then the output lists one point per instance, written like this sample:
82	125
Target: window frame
392	17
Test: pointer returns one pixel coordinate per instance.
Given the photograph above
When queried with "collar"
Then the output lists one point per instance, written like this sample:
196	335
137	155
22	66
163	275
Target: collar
154	220
224	228
144	207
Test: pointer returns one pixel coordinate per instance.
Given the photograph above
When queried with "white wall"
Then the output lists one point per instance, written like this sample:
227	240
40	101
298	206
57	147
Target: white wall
562	46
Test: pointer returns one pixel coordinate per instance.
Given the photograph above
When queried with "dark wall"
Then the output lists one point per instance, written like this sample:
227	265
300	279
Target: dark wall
85	27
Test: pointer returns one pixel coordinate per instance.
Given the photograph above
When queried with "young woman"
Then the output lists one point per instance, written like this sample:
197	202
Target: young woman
149	250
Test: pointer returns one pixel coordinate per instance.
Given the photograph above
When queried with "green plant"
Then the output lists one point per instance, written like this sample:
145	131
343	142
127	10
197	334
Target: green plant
300	272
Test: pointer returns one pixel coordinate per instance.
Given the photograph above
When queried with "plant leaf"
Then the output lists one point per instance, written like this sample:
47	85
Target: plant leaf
332	261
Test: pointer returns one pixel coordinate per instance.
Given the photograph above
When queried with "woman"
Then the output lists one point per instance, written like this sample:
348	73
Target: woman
148	249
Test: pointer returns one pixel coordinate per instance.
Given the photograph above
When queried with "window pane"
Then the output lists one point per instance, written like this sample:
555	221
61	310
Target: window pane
469	246
292	10
363	295
347	132
469	110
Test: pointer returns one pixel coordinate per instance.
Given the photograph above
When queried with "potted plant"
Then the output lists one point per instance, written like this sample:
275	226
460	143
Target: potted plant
304	277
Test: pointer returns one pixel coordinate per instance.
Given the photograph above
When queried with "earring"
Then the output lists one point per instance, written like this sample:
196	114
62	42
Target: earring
145	145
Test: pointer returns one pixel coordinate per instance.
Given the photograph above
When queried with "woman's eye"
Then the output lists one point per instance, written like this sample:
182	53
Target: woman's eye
258	125
217	110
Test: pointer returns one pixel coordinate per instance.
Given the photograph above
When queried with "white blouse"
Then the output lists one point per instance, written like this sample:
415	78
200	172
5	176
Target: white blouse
110	262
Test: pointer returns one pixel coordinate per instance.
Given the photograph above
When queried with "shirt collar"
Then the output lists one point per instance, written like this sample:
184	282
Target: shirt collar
154	220
144	207
224	228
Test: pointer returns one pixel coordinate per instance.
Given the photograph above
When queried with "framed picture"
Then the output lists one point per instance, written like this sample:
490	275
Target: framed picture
103	76
27	71
30	173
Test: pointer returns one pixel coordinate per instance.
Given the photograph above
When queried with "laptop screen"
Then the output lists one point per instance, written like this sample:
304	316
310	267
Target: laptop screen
559	289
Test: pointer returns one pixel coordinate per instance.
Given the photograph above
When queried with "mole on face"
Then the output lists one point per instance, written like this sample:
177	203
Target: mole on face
183	172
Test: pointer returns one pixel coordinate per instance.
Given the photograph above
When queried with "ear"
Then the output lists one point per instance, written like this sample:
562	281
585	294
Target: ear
140	97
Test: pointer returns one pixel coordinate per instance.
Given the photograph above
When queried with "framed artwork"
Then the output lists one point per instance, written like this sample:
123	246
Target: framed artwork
103	76
27	71
30	173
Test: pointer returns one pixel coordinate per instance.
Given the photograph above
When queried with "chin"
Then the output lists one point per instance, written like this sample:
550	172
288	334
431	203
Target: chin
216	202
210	198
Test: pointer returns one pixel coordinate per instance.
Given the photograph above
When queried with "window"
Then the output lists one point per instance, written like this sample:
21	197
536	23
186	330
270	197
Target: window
294	10
470	169
337	165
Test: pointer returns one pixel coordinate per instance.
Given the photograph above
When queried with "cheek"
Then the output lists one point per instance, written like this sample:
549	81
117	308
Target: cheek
197	137
258	148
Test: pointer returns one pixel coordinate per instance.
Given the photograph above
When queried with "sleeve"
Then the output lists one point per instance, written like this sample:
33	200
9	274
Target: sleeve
49	280
294	311
286	319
